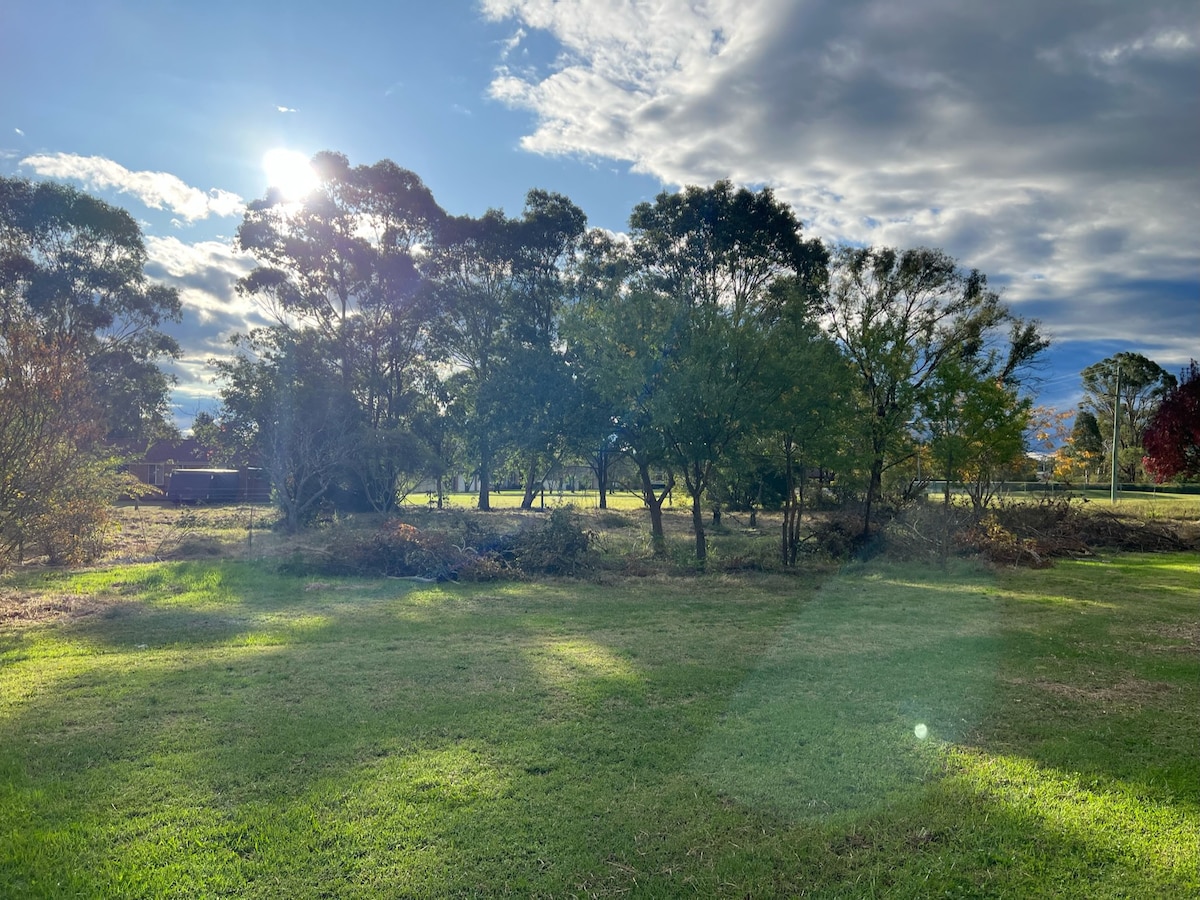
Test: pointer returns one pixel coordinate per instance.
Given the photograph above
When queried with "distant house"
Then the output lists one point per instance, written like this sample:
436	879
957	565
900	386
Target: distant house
165	456
184	472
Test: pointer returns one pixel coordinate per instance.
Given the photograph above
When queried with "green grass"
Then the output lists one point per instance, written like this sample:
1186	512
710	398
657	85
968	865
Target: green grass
511	499
1152	502
213	729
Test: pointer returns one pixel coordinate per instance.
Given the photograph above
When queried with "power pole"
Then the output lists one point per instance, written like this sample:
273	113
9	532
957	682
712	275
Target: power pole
1116	432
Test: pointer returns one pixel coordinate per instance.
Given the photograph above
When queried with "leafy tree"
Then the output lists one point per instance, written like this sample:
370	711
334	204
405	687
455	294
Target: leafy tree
497	282
710	257
74	266
807	423
286	408
1142	384
900	316
56	485
617	332
977	427
344	261
1083	451
1172	437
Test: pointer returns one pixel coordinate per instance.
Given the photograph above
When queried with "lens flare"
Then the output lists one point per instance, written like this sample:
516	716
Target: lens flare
921	731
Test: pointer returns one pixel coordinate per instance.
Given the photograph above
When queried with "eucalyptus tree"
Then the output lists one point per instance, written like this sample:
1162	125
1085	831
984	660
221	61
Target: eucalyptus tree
617	332
901	317
343	266
74	268
497	283
285	407
1133	385
708	258
810	417
345	260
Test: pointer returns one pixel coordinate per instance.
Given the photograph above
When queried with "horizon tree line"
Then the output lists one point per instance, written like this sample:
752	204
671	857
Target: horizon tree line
712	349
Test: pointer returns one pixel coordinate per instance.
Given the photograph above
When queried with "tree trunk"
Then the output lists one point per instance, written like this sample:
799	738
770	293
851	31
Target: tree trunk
485	475
530	480
793	511
602	478
696	489
874	489
654	502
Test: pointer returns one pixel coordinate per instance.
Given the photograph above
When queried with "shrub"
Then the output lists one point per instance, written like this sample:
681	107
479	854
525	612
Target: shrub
558	547
838	536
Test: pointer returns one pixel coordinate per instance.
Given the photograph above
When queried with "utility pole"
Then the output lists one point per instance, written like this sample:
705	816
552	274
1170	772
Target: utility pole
1116	432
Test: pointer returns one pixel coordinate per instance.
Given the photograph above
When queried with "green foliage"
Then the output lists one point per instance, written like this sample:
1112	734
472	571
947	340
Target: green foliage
286	409
1131	387
903	318
74	266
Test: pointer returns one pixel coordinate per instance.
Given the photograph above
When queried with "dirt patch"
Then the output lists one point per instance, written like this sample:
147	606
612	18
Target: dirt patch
17	608
1184	637
1129	692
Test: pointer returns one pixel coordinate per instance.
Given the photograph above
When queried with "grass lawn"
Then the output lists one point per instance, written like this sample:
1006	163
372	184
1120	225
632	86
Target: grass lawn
207	729
511	499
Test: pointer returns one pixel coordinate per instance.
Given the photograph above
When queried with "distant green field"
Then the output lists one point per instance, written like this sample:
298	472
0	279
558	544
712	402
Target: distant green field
1137	502
512	499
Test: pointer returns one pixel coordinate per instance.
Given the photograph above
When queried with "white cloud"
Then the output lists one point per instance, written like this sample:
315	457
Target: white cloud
157	190
285	109
205	274
1051	145
19	132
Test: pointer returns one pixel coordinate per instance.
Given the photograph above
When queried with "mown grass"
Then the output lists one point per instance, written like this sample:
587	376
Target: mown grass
511	499
214	729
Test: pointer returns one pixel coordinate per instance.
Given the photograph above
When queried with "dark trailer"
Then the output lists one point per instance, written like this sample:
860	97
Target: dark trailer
204	486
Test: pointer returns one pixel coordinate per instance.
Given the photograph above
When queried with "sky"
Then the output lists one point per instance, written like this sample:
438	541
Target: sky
1054	146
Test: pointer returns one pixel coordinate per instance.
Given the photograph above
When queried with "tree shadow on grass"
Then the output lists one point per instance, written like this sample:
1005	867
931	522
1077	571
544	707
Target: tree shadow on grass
888	689
836	719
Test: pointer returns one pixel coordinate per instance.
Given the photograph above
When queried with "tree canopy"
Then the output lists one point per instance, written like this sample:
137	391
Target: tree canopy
73	267
1133	386
713	348
1172	436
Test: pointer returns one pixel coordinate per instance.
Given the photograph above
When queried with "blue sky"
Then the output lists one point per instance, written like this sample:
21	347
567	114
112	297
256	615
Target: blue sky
1055	146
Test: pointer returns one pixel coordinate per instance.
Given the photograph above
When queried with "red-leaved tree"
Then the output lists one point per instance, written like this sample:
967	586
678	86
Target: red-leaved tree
1172	439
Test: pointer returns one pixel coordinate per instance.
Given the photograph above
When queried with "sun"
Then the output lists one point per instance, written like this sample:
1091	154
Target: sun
289	172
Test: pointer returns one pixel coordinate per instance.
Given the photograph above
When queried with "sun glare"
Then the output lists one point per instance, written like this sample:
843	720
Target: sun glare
289	172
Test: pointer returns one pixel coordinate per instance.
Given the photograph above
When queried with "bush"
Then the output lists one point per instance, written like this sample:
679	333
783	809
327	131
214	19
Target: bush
399	549
558	547
839	536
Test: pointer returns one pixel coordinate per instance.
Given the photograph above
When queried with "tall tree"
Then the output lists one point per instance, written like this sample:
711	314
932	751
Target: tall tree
617	332
1133	385
712	256
75	267
899	316
499	291
285	407
807	423
1172	438
343	263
